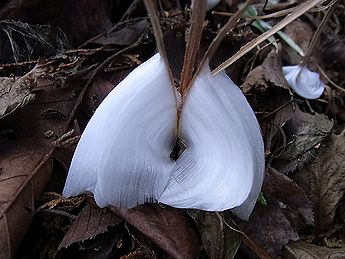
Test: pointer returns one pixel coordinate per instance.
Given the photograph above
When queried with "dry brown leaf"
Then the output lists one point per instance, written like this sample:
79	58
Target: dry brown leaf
26	159
308	131
304	250
218	239
269	228
90	222
17	92
303	134
125	36
324	181
268	74
168	227
100	88
281	188
301	32
285	113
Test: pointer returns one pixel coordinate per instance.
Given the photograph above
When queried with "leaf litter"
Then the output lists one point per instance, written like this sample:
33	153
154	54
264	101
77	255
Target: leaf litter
42	99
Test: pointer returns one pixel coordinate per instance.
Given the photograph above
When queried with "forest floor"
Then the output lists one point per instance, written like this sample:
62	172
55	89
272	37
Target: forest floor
58	61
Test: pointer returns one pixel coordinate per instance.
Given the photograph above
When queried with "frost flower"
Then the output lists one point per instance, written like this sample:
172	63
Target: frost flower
304	82
123	156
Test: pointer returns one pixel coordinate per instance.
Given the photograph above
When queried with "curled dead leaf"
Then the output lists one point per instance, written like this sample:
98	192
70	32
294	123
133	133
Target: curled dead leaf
324	181
26	154
168	227
17	92
90	222
269	228
218	239
268	74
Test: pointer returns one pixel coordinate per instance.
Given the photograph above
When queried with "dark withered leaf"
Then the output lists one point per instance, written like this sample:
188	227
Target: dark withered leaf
16	92
324	181
125	36
269	228
90	222
219	240
26	158
266	75
308	131
168	227
304	250
274	129
280	188
303	134
300	32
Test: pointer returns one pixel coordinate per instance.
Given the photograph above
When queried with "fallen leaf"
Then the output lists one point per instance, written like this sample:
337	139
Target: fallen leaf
17	92
275	141
90	222
281	188
304	250
303	133
168	227
269	228
100	88
323	180
218	239
268	74
26	159
301	33
127	35
103	246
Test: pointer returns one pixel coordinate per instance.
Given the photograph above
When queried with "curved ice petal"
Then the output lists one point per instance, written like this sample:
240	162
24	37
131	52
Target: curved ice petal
223	164
304	82
123	156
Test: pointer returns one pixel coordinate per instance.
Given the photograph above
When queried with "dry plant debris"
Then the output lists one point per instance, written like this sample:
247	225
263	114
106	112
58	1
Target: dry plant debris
59	61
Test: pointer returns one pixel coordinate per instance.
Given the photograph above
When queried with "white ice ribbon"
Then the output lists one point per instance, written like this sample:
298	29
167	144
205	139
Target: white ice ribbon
304	82
123	156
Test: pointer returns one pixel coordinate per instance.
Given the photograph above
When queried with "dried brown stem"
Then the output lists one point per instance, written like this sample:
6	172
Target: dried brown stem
193	43
152	12
223	32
